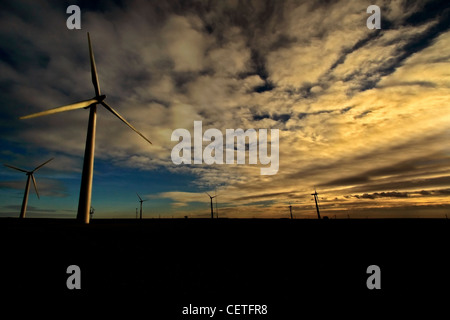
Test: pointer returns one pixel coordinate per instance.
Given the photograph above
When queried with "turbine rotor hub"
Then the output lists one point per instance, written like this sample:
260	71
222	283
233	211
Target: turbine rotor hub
99	100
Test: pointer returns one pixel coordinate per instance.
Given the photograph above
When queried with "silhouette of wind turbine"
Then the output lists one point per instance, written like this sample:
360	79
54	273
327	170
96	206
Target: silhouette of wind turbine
140	200
211	197
315	194
30	175
84	203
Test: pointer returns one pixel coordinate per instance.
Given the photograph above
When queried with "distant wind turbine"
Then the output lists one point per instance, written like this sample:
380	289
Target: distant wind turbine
84	203
315	194
30	175
211	197
140	200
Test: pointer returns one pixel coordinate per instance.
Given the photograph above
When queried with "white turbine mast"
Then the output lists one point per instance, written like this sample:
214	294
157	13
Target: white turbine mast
30	175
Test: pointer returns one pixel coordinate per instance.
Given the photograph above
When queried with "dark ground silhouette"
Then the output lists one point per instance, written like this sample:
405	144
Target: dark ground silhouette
293	266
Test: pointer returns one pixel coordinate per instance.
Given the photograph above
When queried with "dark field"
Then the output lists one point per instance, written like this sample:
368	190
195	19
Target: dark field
292	266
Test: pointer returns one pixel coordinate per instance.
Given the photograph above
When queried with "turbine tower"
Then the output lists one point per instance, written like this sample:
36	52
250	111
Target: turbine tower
211	197
140	200
84	203
315	194
30	175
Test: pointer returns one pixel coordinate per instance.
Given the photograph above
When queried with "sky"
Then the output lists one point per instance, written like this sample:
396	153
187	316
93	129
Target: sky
363	115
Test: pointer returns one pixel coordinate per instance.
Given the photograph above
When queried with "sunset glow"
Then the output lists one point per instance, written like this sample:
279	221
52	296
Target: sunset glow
363	115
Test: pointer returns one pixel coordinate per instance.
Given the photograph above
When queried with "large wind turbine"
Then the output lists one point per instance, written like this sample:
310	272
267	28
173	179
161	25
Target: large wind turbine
140	200
84	203
30	175
211	197
315	194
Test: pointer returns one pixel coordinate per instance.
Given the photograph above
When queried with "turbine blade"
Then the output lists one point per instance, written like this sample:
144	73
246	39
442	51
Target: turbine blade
78	105
139	197
208	194
38	167
35	186
123	120
93	69
12	167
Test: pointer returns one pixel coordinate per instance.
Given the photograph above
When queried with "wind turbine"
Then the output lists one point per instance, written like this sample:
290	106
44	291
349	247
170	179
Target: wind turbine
211	197
30	175
84	203
315	194
140	200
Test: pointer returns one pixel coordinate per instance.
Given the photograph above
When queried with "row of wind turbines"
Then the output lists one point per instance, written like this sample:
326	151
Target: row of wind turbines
30	176
84	204
211	198
316	200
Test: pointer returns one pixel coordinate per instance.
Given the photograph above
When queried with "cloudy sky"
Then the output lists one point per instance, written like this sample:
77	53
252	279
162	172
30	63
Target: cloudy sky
363	115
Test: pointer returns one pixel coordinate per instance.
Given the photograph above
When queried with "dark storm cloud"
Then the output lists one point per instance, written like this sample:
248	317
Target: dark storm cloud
396	194
267	86
376	195
276	117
